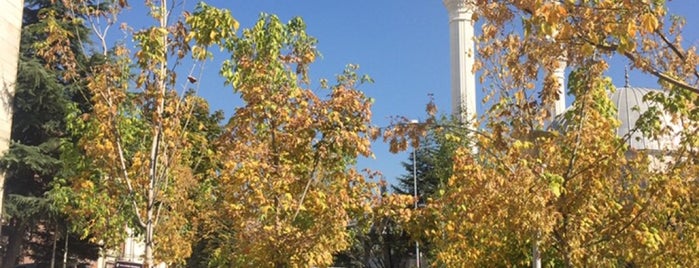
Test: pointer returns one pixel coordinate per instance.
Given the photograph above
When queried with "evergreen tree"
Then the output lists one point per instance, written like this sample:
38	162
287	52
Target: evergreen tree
387	243
429	167
423	161
42	98
433	160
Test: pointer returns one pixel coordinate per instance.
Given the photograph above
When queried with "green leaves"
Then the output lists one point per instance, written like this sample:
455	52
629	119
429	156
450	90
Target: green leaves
209	26
151	46
555	183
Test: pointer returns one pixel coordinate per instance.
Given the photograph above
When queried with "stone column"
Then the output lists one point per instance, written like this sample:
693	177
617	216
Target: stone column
463	81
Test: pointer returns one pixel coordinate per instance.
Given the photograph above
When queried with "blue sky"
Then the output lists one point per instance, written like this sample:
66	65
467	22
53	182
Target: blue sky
403	45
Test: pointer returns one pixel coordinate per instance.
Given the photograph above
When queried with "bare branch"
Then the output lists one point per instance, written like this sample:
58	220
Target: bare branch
658	73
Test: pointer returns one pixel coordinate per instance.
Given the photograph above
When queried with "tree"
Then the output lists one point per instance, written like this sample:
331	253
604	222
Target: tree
289	187
433	157
144	171
574	196
205	129
433	167
42	99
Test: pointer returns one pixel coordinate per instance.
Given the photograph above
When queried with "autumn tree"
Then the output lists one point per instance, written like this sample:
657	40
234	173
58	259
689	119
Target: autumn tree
645	33
145	168
574	196
204	128
437	140
288	187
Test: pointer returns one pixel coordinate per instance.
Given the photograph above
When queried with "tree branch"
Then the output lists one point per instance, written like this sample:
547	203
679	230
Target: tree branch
316	159
663	76
657	73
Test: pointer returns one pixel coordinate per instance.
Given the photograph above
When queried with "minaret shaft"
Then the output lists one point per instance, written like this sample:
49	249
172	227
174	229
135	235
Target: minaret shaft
463	82
560	72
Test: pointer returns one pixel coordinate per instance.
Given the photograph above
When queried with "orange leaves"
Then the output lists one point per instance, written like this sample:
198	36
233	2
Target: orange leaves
56	48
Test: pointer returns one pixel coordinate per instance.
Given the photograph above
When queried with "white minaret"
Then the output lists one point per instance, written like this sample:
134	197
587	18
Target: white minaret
463	81
560	72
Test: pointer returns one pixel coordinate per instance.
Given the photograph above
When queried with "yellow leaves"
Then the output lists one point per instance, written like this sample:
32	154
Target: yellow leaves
555	183
87	185
287	155
519	97
521	145
452	138
200	53
210	25
308	57
552	13
648	237
530	186
581	176
488	30
631	30
449	227
55	48
649	22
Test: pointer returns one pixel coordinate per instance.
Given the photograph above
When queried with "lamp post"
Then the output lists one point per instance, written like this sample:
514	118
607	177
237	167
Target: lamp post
417	244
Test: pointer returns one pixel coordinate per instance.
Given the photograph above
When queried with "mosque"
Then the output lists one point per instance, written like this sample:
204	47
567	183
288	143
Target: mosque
628	100
463	83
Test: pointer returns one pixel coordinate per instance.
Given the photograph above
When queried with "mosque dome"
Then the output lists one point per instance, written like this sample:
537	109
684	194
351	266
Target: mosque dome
630	106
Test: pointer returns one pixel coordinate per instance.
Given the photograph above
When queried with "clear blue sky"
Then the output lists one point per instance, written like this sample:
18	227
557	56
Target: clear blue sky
403	45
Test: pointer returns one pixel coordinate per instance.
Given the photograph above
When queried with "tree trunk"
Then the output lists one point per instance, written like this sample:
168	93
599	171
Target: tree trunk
53	249
65	251
148	262
155	148
536	254
14	247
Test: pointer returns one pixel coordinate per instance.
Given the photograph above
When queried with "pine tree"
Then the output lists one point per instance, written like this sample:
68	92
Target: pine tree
433	159
429	166
421	161
40	105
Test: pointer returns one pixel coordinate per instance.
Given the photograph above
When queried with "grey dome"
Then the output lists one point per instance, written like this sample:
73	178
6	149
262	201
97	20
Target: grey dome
630	106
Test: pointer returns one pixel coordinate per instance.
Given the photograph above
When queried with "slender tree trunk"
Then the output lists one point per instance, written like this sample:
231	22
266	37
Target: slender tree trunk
149	231
536	254
155	149
65	251
53	250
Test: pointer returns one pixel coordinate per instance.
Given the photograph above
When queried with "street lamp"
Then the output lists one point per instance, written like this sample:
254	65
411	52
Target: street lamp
417	244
